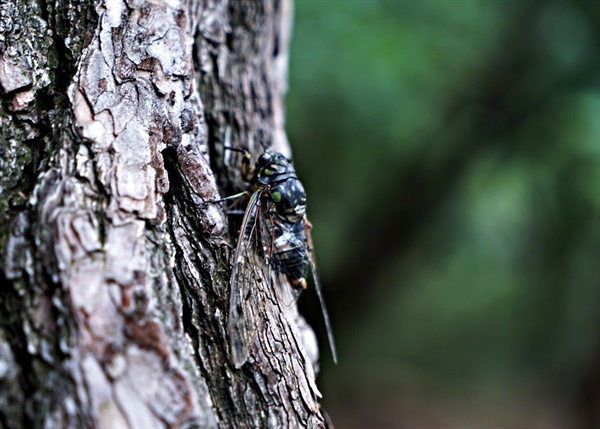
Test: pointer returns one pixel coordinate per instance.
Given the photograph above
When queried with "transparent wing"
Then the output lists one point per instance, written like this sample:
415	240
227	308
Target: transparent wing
317	280
266	235
250	271
288	294
288	246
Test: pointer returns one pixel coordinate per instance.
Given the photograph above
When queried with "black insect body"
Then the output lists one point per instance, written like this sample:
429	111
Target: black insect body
286	209
274	239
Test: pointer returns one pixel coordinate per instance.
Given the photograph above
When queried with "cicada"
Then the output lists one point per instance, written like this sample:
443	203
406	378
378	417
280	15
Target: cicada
274	240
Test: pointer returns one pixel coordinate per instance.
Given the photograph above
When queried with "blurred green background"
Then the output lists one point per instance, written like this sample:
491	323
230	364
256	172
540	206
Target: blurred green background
451	154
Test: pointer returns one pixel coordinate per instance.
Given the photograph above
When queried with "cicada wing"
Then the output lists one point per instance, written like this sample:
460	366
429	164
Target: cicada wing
285	294
289	294
288	290
288	242
249	270
317	280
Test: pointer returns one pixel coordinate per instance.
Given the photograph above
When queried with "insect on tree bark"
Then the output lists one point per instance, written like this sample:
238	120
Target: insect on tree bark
114	272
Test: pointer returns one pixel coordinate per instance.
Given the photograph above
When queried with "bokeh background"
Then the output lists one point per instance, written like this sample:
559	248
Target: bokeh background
451	154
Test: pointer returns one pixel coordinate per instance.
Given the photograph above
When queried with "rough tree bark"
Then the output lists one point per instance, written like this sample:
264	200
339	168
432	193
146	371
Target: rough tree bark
114	278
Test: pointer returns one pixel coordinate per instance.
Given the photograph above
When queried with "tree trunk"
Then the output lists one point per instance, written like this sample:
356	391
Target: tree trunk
114	268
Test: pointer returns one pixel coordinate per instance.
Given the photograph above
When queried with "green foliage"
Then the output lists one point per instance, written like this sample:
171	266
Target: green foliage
451	155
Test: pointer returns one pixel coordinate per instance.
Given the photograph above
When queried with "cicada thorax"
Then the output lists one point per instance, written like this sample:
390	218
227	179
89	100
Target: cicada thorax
285	203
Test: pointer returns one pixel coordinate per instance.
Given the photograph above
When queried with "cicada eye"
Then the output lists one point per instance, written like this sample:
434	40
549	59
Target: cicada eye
265	159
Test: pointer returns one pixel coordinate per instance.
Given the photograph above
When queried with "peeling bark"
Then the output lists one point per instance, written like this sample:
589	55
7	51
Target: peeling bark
114	269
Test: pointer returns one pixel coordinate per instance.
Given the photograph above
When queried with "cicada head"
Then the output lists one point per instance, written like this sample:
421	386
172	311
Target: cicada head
272	167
